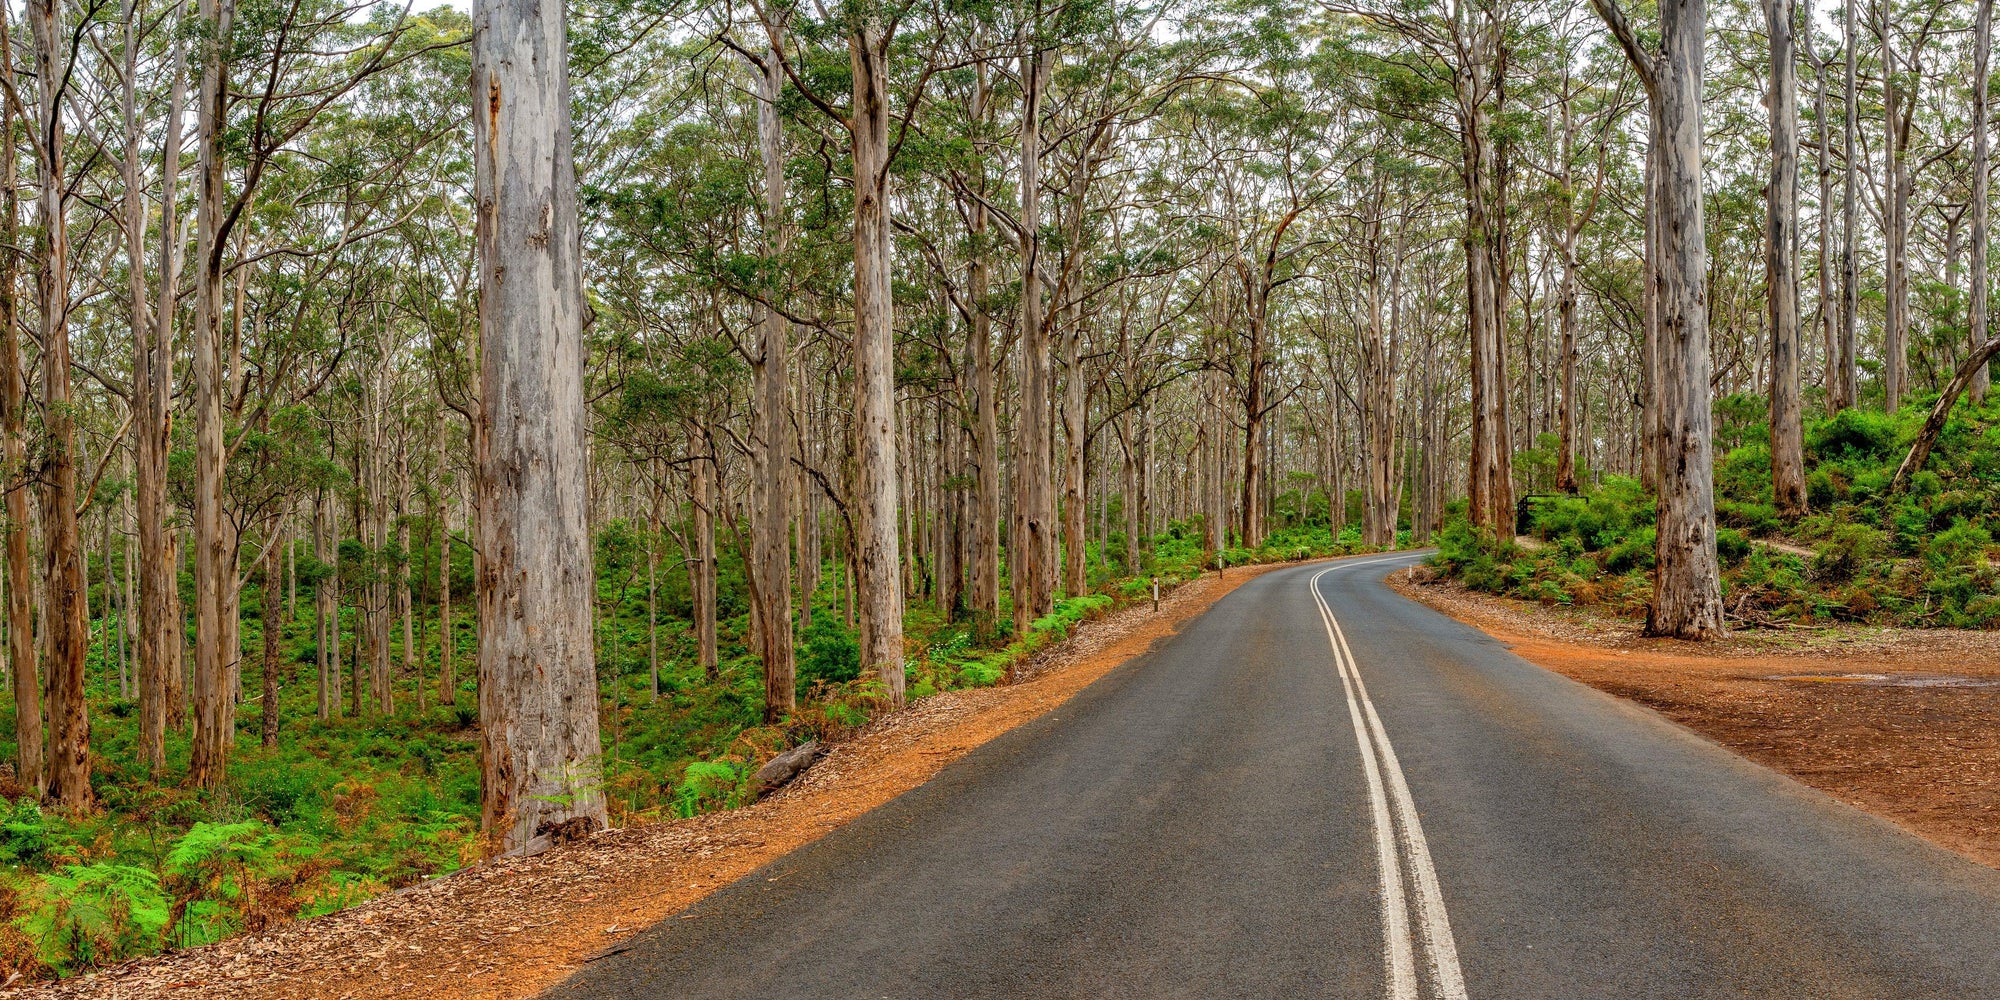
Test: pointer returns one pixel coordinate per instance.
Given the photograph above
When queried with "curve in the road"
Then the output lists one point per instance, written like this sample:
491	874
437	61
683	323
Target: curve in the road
1227	817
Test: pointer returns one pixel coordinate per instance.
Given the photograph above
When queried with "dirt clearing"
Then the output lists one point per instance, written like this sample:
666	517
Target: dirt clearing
1902	723
513	928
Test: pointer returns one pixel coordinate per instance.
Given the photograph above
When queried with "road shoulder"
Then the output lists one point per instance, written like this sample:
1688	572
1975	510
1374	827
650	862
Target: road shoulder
1901	723
512	928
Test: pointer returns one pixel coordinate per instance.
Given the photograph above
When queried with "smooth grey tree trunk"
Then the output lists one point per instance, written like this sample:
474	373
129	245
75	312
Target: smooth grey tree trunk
1378	387
1490	482
326	612
1982	180
701	567
212	692
405	605
771	577
1850	288
984	583
161	632
1781	276
1566	301
273	638
1649	348
447	639
1031	543
1075	577
877	563
1687	582
1895	223
541	760
1829	337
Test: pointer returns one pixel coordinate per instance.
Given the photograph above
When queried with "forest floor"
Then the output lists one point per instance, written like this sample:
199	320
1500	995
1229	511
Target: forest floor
512	928
1902	723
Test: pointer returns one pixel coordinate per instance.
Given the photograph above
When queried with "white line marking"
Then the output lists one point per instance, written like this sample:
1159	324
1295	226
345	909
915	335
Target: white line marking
1396	944
1440	947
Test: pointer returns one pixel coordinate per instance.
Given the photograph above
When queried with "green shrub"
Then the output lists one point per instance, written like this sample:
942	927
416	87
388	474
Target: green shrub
1751	517
1853	434
1597	519
831	653
984	672
710	785
1960	546
1851	547
1632	552
1730	545
283	789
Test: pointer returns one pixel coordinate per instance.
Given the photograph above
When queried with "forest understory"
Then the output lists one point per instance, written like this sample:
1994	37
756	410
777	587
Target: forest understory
512	927
364	802
1898	722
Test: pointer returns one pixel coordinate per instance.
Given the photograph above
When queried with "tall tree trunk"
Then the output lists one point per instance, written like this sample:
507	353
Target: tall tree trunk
1687	602
1566	300
984	585
405	606
273	587
380	596
878	563
1781	276
447	639
1850	288
152	733
66	613
1128	449
952	500
1687	583
161	632
1490	483
30	758
1253	417
1378	393
703	490
1215	508
772	440
361	631
212	693
1982	168
985	582
1895	225
1075	560
538	695
326	612
653	595
1032	540
1972	374
1649	347
1829	337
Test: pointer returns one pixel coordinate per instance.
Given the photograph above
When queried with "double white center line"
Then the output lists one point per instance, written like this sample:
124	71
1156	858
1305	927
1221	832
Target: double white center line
1396	826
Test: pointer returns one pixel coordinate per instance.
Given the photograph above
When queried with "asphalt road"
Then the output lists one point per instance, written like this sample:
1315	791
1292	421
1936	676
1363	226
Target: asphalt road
1241	813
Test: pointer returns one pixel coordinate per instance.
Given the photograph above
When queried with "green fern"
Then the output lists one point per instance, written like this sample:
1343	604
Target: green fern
89	915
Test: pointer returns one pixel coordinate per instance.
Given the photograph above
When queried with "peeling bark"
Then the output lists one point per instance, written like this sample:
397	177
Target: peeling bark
540	751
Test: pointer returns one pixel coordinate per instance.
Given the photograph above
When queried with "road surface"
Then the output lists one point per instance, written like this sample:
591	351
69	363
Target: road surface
1321	789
